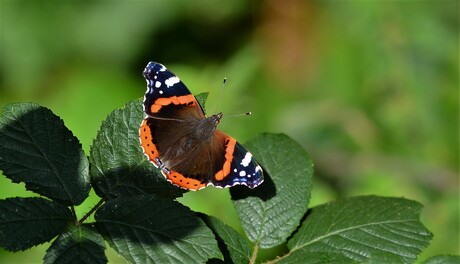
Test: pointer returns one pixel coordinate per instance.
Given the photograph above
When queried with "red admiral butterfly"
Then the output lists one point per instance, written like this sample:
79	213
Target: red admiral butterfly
177	137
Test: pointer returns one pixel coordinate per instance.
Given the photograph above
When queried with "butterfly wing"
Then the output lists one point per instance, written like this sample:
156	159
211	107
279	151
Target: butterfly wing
165	133
169	107
183	161
238	167
164	89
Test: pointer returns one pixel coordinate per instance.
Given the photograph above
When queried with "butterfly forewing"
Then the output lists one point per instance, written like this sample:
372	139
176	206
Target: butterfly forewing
163	88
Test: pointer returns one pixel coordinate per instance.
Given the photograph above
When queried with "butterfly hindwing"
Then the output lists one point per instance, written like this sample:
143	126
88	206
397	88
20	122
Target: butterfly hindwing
241	166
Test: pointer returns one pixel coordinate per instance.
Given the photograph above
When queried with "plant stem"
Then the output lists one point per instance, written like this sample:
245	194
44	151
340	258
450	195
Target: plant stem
91	211
254	253
72	209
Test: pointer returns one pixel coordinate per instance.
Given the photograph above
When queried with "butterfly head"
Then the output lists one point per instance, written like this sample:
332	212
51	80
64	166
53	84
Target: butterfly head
215	119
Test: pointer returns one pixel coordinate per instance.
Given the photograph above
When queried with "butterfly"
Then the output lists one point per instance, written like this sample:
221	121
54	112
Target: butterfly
185	144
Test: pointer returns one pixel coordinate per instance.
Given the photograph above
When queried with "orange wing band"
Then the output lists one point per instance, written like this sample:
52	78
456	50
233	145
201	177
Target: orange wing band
188	99
229	149
150	150
187	183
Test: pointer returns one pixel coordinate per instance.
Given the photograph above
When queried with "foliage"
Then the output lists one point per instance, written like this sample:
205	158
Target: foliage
443	259
145	229
364	227
139	217
27	222
273	211
77	244
34	141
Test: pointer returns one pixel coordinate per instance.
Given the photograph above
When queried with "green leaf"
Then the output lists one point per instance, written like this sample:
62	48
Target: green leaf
313	258
27	222
79	244
118	165
362	228
272	211
233	245
201	98
144	229
443	259
36	148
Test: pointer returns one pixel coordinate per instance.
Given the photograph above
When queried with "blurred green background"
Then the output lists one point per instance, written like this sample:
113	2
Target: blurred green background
369	88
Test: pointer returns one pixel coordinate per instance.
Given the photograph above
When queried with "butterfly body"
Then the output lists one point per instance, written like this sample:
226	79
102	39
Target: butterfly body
177	137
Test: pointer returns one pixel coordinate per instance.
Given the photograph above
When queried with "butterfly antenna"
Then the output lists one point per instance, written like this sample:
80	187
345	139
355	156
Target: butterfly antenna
237	115
220	97
221	93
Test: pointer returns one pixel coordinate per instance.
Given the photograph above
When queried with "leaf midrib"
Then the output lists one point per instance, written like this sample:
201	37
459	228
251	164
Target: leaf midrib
54	170
34	219
348	229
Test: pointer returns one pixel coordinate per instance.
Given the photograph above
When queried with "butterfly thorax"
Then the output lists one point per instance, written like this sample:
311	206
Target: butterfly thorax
203	130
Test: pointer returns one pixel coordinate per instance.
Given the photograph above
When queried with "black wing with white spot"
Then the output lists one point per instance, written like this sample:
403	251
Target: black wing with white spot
162	83
244	170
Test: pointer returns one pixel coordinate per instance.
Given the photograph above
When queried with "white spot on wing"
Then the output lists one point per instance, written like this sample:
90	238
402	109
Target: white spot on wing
247	159
171	81
157	84
242	173
161	91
